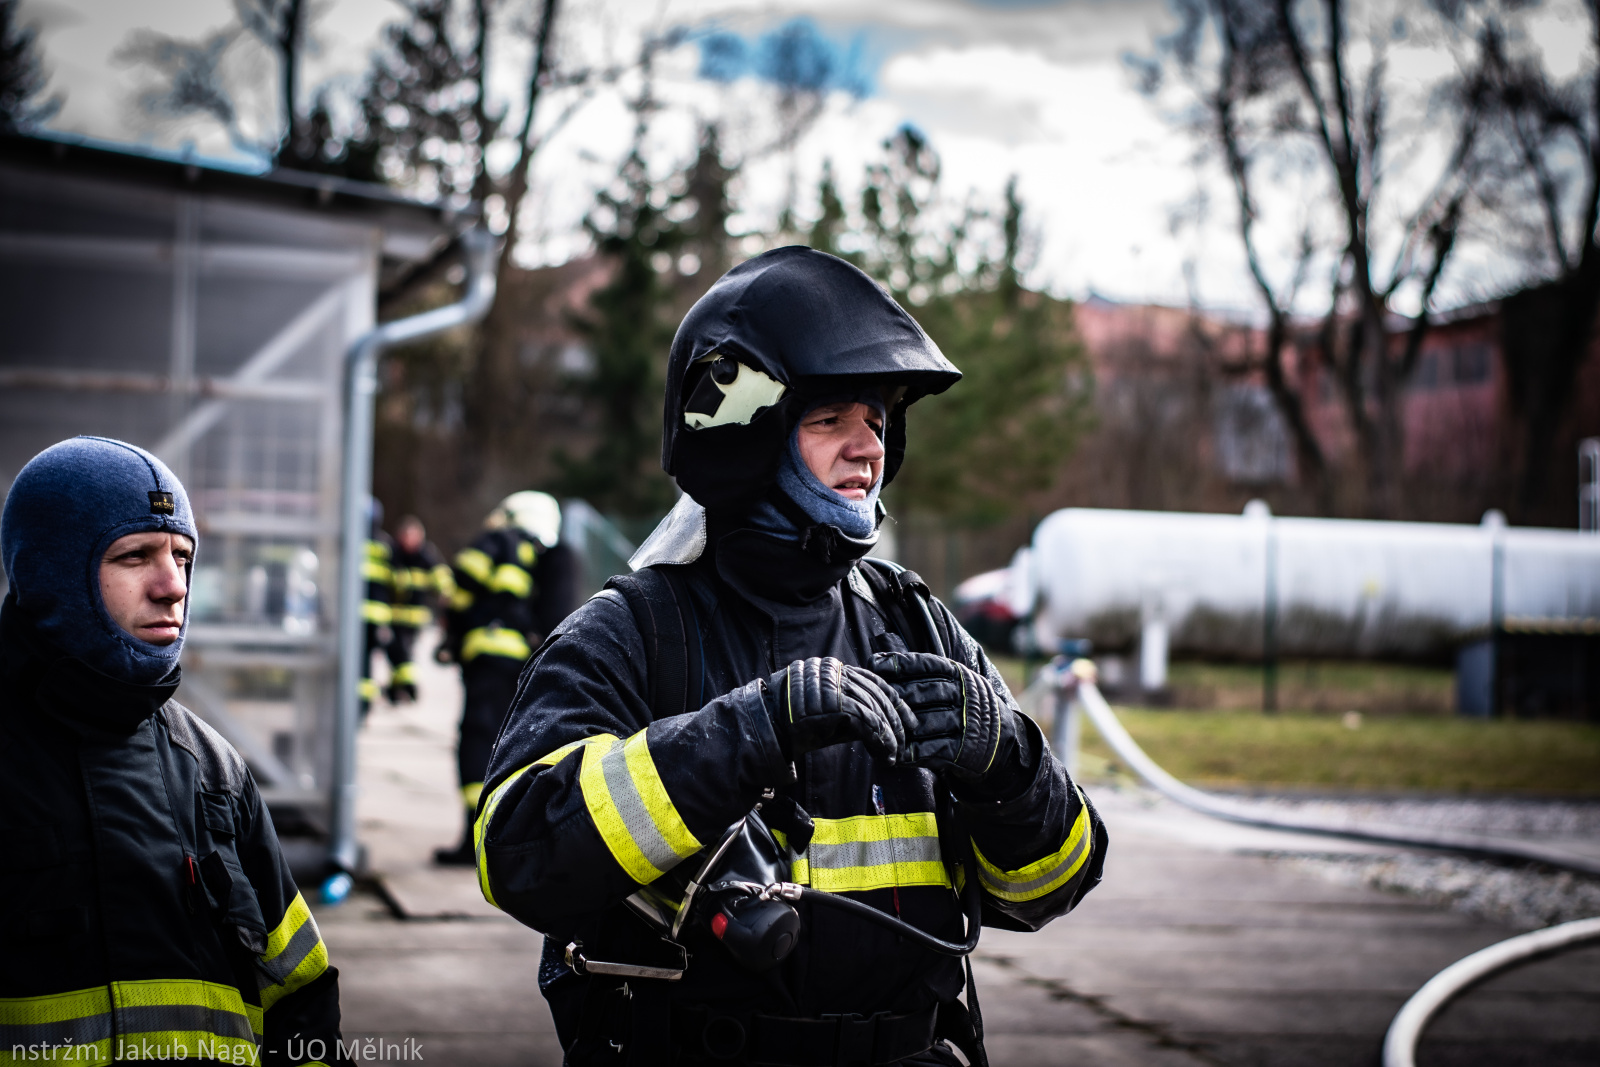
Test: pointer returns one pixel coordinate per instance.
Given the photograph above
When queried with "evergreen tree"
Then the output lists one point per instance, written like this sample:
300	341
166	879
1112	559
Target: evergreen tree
976	452
22	75
629	329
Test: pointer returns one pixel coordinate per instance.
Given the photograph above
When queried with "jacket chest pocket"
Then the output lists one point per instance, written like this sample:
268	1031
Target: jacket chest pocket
229	896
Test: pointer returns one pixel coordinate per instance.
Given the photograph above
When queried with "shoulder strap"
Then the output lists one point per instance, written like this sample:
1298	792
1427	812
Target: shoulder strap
663	610
906	598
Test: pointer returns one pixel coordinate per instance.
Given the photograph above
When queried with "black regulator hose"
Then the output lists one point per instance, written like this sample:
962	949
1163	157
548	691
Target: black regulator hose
972	898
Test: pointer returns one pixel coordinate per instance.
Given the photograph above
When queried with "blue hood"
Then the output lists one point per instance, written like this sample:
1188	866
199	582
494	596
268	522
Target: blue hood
64	510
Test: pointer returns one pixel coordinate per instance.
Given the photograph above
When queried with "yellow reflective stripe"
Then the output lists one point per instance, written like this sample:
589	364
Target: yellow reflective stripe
873	852
630	807
368	690
510	578
152	1019
405	674
376	612
460	600
480	829
444	580
295	953
377	550
376	571
494	641
476	564
1043	876
525	553
417	615
470	794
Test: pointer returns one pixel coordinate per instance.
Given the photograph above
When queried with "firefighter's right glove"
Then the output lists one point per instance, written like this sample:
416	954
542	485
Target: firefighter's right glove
963	727
816	702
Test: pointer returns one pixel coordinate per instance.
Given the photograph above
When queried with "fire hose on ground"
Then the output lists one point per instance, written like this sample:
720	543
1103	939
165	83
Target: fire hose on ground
1074	687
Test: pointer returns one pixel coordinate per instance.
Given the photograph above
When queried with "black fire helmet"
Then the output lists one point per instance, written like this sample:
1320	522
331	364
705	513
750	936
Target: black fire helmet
781	328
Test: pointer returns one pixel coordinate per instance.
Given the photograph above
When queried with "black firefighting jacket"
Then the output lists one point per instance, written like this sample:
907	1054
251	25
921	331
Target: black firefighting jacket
377	570
508	589
590	795
149	912
421	580
491	609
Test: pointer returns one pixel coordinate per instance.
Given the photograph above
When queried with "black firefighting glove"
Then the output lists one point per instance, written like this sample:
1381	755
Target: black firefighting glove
816	702
963	727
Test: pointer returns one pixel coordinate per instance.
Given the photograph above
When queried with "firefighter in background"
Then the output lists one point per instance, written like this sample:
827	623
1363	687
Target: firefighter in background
422	579
513	585
377	610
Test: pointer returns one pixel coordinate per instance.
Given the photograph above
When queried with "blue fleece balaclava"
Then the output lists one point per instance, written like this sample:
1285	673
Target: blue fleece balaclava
64	510
856	518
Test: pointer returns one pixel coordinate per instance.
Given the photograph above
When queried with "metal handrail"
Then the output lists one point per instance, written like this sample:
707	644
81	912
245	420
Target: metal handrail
1400	1043
361	386
1078	678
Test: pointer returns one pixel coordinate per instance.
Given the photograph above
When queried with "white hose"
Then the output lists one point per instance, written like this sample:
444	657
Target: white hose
1127	749
1400	1043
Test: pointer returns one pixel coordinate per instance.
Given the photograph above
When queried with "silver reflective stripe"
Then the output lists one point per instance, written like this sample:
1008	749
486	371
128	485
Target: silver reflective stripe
293	955
630	806
873	853
1005	885
184	1017
84	1031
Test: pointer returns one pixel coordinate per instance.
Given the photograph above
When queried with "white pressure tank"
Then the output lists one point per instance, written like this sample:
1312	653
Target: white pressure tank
1212	584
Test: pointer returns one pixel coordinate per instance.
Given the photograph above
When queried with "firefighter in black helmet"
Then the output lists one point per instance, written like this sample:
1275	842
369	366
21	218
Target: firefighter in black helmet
759	688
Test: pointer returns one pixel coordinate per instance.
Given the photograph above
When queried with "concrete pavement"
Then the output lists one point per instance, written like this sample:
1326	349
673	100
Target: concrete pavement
1199	948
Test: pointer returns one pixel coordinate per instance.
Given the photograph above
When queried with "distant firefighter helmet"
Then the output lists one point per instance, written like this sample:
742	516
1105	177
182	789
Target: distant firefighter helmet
789	326
534	513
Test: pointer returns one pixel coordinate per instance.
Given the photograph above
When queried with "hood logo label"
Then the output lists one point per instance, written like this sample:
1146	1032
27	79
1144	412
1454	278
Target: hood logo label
162	503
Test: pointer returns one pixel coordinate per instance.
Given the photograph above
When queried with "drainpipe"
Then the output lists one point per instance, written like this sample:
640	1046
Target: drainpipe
361	385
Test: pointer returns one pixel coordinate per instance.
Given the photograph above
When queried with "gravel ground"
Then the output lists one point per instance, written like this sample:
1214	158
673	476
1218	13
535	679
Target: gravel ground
1512	816
1520	897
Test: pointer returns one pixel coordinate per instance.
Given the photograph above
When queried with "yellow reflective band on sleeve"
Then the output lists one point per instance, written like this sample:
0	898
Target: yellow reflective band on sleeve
460	600
494	641
475	564
470	794
510	578
525	553
872	852
443	580
376	571
630	807
480	829
295	953
376	612
1044	876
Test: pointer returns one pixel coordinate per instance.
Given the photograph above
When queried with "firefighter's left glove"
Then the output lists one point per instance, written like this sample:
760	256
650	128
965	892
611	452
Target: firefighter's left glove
819	702
964	728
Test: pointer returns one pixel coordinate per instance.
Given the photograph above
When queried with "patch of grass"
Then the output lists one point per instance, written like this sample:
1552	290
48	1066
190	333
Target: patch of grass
1317	685
1235	748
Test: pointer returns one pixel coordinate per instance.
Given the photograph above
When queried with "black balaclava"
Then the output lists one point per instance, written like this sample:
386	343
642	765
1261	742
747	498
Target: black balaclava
64	510
766	341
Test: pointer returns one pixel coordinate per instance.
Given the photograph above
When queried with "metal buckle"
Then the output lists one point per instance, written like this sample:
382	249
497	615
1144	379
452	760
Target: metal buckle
581	964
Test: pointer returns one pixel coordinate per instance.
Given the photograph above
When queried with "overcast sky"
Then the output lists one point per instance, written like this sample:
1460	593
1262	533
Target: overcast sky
1036	88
